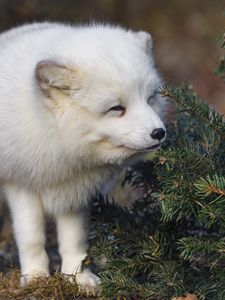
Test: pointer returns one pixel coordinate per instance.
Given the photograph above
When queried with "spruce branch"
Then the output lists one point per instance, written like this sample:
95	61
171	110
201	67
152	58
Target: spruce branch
207	186
187	100
220	70
193	248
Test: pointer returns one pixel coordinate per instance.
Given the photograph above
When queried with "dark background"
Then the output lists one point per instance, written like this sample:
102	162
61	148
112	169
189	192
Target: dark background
186	33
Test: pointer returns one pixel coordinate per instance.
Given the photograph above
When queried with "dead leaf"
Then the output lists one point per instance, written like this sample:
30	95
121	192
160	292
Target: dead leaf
187	297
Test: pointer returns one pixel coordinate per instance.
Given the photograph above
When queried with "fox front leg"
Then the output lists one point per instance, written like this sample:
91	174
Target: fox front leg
28	224
72	237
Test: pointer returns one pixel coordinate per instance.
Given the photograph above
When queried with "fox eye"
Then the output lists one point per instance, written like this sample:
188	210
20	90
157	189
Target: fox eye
118	108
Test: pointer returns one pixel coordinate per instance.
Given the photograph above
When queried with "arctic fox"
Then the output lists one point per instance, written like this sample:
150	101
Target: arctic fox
74	103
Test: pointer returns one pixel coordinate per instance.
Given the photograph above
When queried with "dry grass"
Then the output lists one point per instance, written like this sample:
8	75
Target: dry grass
55	287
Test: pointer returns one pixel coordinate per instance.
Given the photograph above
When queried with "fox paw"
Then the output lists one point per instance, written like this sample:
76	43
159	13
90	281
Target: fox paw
25	279
88	281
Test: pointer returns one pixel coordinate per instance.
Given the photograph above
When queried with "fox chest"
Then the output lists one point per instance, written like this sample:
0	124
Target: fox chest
74	194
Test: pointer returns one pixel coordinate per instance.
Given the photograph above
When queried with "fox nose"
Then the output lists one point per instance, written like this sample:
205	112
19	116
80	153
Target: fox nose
158	133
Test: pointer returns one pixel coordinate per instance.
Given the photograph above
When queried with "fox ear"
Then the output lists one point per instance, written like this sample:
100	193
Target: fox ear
51	75
146	40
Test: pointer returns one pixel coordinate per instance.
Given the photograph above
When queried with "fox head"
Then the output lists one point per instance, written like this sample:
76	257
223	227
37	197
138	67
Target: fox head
103	92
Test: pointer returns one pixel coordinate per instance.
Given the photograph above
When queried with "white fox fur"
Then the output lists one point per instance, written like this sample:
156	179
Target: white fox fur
74	103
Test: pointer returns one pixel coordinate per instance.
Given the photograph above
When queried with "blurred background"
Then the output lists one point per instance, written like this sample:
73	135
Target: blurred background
187	34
